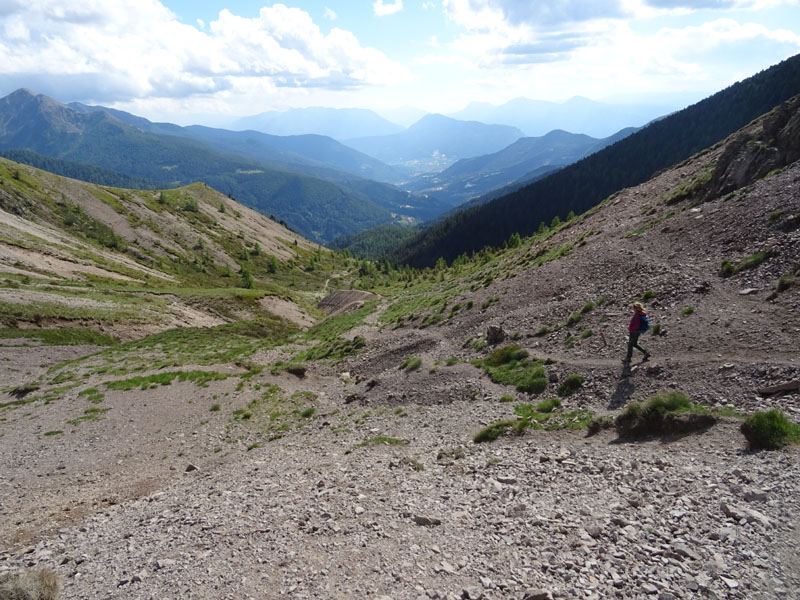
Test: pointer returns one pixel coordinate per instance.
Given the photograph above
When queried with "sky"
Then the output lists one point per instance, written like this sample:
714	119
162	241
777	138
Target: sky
187	61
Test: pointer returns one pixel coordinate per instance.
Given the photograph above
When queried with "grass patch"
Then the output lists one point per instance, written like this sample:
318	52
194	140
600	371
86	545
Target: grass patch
200	378
770	430
688	310
529	417
663	414
548	406
93	413
92	394
54	432
60	337
492	432
335	349
411	364
570	385
510	366
751	262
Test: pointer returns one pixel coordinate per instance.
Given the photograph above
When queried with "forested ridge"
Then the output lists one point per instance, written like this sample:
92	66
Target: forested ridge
586	183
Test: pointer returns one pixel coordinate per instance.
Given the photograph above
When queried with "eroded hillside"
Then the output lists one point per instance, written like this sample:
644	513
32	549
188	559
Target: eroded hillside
129	262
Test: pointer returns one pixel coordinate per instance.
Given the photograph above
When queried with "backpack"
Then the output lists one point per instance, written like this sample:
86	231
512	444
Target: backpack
644	323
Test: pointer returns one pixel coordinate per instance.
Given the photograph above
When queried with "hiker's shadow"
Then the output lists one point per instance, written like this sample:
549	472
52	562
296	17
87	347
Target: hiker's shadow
624	390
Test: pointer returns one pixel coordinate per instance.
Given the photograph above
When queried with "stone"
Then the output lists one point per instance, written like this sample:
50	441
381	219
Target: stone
426	521
537	594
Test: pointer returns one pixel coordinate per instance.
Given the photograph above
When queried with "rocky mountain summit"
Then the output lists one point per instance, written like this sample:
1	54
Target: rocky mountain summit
348	468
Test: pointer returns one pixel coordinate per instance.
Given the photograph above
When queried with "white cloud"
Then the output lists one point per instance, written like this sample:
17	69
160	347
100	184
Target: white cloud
110	50
330	14
383	10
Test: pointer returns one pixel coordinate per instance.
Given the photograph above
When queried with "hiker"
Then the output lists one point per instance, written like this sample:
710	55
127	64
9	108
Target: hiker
638	325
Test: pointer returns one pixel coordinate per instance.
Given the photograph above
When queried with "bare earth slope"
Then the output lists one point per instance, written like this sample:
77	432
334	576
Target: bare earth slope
380	492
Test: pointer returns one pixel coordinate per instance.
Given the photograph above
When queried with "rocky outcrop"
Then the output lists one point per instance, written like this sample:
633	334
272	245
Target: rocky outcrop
755	152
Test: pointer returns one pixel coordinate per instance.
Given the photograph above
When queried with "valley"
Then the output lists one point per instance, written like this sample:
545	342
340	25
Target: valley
210	434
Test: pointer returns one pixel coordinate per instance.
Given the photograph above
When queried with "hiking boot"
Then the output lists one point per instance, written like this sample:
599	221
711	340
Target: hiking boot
646	356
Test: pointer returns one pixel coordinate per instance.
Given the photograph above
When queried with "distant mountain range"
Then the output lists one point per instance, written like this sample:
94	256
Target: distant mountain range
281	182
576	115
319	186
338	123
435	142
525	159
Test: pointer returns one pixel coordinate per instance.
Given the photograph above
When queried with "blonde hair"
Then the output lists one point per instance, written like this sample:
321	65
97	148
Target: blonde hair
638	307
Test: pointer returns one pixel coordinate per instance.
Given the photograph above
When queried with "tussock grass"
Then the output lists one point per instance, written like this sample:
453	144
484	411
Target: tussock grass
492	432
543	417
663	414
570	385
770	430
412	363
510	366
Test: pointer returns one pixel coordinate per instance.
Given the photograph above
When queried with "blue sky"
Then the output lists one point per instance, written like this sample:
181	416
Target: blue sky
183	60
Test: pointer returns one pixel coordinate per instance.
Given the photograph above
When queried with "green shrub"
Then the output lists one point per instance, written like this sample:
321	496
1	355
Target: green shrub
215	407
544	330
548	406
785	282
727	269
588	307
570	385
505	355
688	310
573	318
506	398
532	384
586	334
648	294
770	430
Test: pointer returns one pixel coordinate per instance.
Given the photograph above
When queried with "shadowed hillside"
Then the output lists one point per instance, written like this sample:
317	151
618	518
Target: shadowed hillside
626	163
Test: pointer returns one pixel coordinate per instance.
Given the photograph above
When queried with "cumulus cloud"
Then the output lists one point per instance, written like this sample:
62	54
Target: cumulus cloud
124	50
330	14
522	32
382	9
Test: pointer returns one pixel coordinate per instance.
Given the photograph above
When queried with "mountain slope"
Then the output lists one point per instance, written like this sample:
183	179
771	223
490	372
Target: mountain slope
136	245
436	141
473	177
628	162
96	137
308	154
